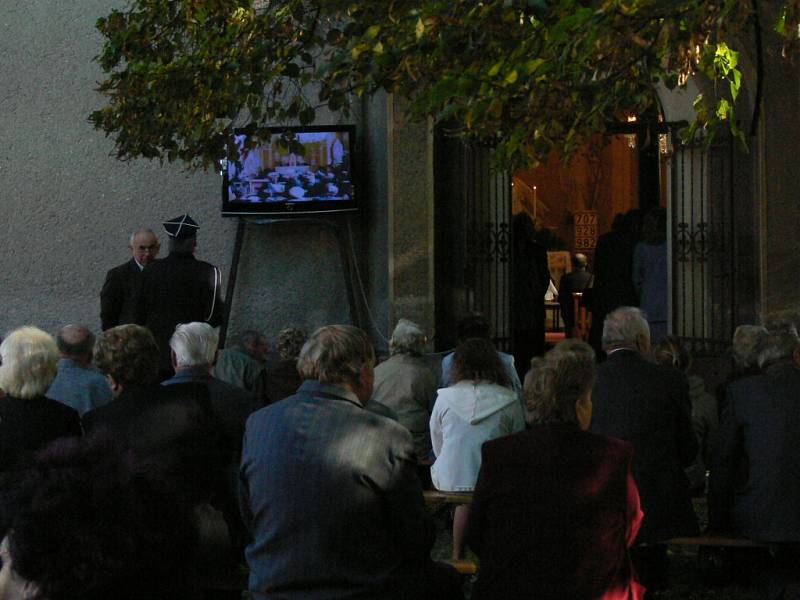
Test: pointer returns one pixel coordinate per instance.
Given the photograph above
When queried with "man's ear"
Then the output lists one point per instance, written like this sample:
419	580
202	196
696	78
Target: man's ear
643	343
173	358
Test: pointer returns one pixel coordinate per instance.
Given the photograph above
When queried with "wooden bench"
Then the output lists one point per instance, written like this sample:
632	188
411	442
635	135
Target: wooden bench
718	541
437	498
463	566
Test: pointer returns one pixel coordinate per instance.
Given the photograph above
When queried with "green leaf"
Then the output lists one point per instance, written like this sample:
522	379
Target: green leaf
307	115
420	28
511	77
724	109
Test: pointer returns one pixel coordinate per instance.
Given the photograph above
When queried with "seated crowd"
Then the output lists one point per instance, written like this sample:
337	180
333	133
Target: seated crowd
117	485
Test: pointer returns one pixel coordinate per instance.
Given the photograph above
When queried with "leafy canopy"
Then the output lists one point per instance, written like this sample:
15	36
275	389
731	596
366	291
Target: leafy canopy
527	76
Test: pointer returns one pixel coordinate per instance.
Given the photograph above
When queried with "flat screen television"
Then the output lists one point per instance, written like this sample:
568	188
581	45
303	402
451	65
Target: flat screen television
312	174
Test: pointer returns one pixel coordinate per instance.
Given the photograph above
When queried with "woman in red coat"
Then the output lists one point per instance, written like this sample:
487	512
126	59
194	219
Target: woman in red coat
555	507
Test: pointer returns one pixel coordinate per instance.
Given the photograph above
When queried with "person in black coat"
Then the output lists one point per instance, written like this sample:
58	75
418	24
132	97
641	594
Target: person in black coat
648	405
178	289
118	296
29	420
530	280
613	273
755	481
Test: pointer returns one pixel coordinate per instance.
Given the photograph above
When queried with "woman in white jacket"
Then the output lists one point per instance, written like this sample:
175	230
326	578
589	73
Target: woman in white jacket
478	407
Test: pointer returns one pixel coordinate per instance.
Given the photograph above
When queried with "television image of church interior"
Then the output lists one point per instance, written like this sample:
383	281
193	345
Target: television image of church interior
316	168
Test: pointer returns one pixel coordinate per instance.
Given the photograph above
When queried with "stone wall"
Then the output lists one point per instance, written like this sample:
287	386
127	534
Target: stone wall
69	206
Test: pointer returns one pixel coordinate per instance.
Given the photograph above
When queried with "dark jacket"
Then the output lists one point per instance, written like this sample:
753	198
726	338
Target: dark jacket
178	289
613	280
282	380
231	405
173	433
648	405
333	500
552	514
29	424
117	416
754	487
118	296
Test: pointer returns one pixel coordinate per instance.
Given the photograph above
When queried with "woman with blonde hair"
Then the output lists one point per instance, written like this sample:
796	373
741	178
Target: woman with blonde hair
29	420
555	507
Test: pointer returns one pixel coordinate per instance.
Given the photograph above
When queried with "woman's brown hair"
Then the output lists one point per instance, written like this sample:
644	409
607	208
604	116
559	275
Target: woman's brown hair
476	360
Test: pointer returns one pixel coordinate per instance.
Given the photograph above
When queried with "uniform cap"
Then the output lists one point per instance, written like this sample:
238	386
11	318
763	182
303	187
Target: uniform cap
181	228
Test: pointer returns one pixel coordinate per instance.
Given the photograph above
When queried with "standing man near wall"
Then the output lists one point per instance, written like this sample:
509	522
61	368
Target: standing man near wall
117	301
178	289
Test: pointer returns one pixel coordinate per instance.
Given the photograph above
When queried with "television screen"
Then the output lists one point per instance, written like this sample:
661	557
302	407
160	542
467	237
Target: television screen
312	173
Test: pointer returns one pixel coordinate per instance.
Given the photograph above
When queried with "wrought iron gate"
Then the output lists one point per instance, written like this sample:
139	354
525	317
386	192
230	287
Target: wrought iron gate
472	241
487	274
702	245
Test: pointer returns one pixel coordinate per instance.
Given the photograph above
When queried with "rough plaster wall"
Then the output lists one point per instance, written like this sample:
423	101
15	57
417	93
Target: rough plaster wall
68	206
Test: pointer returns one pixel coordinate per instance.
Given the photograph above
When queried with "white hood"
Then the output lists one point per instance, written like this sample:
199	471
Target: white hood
475	402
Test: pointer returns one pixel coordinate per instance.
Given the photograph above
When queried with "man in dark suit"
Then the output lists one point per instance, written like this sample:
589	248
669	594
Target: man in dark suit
193	350
575	281
330	490
648	405
178	289
613	273
117	298
754	485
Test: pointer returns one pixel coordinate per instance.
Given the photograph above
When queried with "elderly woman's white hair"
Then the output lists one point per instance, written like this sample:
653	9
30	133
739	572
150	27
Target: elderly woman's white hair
194	344
29	362
624	328
407	338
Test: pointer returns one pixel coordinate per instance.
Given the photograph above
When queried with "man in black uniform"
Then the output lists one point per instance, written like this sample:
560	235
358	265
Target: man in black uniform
178	289
117	298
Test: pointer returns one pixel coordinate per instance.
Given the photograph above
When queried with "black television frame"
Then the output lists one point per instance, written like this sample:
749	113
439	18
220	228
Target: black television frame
301	208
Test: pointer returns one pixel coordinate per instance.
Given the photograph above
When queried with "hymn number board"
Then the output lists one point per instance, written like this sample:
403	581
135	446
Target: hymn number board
585	230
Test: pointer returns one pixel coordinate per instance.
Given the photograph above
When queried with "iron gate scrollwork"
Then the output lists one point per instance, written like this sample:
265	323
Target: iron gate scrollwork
487	196
702	239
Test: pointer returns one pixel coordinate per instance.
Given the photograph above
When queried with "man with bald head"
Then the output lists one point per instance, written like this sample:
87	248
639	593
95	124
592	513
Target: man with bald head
117	298
77	384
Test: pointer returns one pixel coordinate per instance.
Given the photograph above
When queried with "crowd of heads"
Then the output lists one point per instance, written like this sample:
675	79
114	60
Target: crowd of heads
76	523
